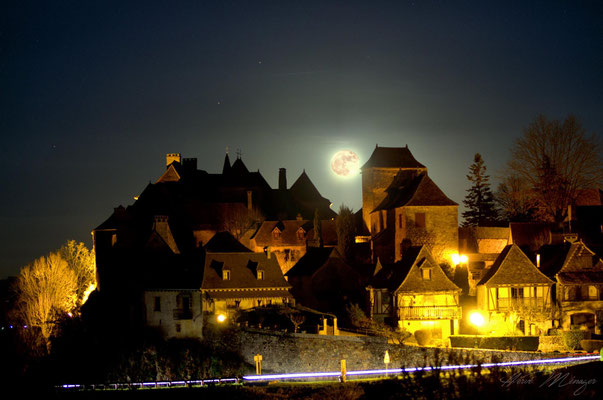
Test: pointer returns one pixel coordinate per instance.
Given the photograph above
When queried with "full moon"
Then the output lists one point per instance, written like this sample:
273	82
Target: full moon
345	163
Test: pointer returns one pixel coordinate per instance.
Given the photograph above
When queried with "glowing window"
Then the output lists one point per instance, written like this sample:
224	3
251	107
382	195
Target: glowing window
260	274
426	274
226	275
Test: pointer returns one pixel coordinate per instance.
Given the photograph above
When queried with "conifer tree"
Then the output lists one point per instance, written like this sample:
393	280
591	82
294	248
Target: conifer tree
481	209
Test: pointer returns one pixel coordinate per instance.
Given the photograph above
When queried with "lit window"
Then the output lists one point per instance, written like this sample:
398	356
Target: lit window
276	233
593	293
426	274
226	275
260	274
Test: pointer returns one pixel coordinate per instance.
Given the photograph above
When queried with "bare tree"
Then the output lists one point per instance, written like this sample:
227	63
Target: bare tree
514	199
555	159
237	220
82	262
47	291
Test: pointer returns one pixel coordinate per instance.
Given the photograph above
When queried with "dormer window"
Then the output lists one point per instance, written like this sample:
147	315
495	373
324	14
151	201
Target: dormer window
276	233
260	274
301	234
226	275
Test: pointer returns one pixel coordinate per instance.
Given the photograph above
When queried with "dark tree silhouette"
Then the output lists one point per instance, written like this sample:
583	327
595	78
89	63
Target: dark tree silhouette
346	232
555	159
481	208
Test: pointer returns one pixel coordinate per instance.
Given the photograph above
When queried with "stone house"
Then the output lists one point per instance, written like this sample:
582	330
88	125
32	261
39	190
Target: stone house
578	273
288	240
241	280
401	203
515	295
415	293
176	217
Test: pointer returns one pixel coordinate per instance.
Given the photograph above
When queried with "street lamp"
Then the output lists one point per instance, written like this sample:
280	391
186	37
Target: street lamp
477	319
221	318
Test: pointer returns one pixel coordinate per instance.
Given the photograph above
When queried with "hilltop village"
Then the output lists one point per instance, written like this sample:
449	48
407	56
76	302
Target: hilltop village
198	247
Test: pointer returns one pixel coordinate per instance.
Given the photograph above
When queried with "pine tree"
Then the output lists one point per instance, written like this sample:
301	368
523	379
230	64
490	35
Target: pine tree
479	201
346	232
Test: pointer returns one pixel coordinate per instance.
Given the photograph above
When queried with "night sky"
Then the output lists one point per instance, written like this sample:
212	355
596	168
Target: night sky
94	94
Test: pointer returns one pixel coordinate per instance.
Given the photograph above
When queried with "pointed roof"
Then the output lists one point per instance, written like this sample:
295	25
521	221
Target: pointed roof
225	242
581	266
419	191
304	189
173	173
238	167
513	267
392	157
226	167
405	276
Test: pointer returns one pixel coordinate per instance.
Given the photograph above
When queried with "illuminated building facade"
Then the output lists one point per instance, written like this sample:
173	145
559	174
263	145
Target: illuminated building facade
415	293
401	203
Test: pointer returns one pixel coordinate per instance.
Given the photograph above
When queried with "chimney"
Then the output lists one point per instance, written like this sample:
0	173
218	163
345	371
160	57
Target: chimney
249	200
171	157
162	227
282	179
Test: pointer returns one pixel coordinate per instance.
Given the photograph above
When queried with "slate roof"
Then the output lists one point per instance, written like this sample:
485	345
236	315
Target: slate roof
289	229
243	268
225	242
513	267
392	157
405	276
314	259
309	198
581	266
419	191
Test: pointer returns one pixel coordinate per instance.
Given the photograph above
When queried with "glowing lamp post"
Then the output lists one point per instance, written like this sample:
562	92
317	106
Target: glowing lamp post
221	318
386	360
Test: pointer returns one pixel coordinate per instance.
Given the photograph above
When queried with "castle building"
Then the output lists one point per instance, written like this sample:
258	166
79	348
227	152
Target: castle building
400	203
152	257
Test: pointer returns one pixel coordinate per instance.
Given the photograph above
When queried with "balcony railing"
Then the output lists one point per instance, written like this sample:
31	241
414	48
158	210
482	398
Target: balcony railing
430	312
525	302
182	314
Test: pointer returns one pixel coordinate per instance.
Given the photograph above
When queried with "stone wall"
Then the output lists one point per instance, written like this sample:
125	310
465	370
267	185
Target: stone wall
286	353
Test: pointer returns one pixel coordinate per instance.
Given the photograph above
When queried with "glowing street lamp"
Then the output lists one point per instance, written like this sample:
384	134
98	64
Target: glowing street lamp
459	259
477	319
221	318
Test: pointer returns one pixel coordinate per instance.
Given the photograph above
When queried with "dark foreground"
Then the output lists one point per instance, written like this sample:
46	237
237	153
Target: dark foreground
581	381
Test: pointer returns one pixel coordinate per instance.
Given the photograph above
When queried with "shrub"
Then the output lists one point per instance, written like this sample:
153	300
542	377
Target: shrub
522	343
591	345
573	337
423	337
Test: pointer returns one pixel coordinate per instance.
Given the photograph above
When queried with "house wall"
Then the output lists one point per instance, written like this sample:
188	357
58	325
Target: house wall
230	306
441	327
165	320
440	232
374	183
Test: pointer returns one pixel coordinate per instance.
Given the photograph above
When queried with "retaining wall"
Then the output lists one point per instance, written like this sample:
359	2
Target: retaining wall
285	353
